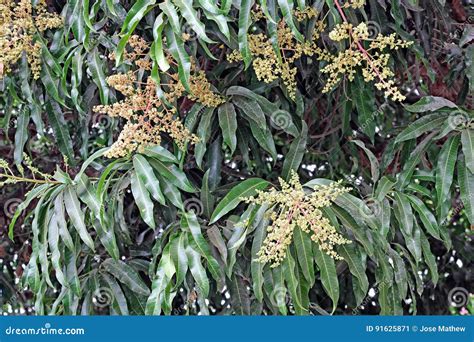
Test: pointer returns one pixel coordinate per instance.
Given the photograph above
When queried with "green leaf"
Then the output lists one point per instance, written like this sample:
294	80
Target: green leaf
424	124
177	50
156	50
142	199
160	153
189	221
292	280
61	132
198	271
429	258
228	124
252	111
75	213
264	138
328	275
173	174
53	240
405	176
467	139
21	135
240	296
244	23
286	7
61	221
118	295
139	9
357	265
295	153
147	176
444	175
97	66
244	189
427	218
178	255
304	254
256	267
126	275
374	163
172	194
430	104
190	14
403	212
466	186
365	105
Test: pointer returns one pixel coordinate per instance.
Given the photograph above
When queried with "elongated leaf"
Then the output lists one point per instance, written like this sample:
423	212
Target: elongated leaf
173	174
190	222
134	15
240	296
197	270
430	104
177	50
424	124
244	23
126	275
429	258
357	266
444	175
145	173
61	221
403	212
228	124
96	66
246	188
178	255
428	219
304	254
467	139
21	135
252	110
143	201
374	163
328	275
466	186
53	239
256	267
73	209
286	7
61	133
190	14
295	153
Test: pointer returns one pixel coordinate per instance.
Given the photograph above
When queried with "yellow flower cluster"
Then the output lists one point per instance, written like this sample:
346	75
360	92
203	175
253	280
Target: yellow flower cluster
372	60
354	4
292	208
18	27
266	62
148	115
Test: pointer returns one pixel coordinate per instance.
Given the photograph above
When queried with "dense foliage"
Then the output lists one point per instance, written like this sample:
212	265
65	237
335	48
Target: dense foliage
236	157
